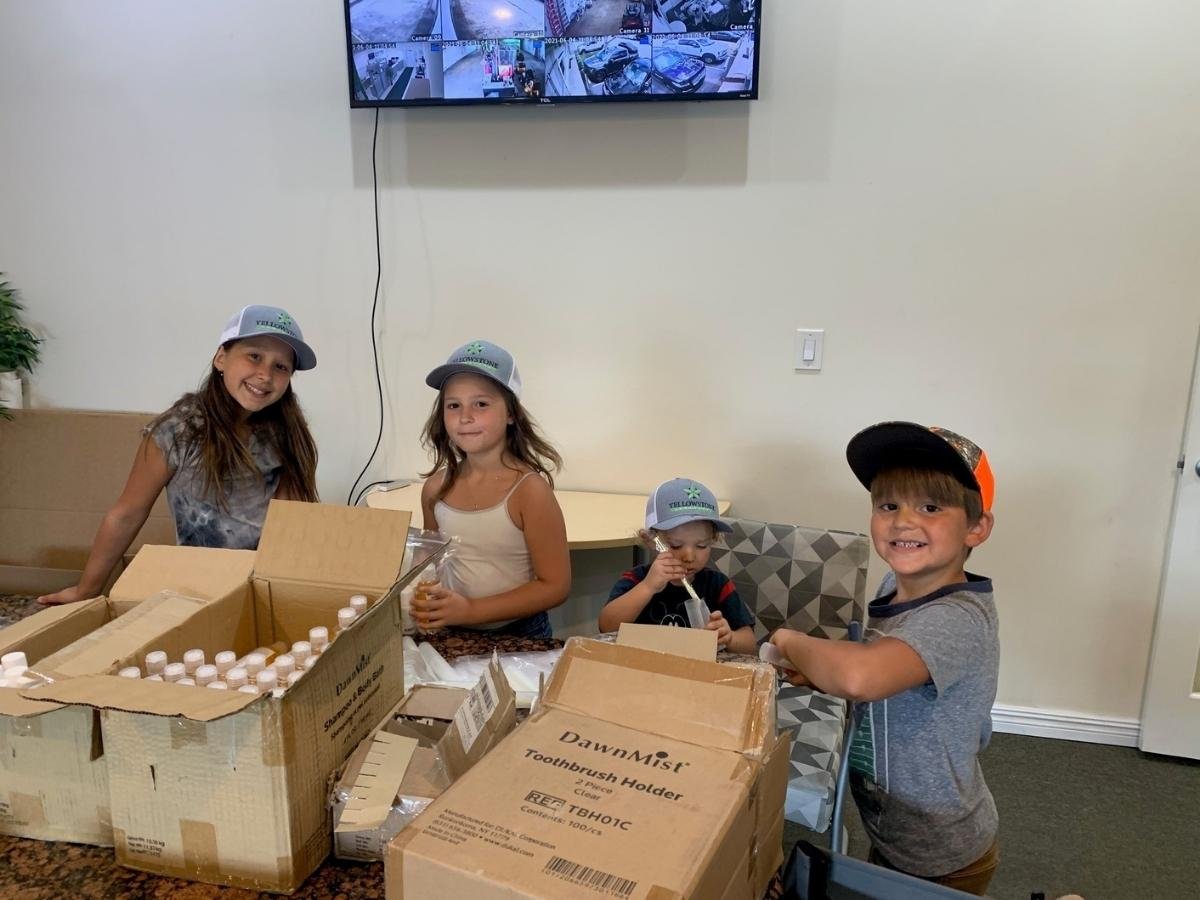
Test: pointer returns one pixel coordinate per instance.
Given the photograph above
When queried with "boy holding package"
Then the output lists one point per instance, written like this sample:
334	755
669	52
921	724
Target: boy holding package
925	677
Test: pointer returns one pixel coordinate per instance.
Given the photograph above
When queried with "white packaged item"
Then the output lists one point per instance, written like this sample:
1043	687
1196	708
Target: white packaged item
173	672
359	604
318	639
301	651
130	672
156	661
769	653
266	680
237	677
218	685
346	618
248	689
284	665
187	681
154	677
224	661
192	660
206	675
16	658
254	663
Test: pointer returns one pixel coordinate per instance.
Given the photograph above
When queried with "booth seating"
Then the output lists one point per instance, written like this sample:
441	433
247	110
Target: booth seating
812	580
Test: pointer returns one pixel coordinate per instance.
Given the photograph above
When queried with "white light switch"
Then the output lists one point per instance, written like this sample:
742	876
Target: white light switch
810	345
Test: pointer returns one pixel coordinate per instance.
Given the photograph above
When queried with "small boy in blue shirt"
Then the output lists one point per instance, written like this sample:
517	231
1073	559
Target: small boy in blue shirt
684	513
924	680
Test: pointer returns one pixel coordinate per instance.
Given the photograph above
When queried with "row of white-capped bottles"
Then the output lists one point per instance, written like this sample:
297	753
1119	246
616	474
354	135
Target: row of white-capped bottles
264	670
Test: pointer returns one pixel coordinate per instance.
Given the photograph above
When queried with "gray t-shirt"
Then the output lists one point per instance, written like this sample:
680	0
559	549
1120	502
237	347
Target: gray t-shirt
200	521
914	769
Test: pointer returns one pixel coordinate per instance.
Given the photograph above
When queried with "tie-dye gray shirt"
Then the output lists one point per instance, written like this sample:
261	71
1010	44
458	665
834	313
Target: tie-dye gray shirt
199	520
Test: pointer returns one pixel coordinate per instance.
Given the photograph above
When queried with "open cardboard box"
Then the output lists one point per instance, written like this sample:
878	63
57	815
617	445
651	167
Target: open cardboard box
641	774
424	744
53	495
53	776
230	788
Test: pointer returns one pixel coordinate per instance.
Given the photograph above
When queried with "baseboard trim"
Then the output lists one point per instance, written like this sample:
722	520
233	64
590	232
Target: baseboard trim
1066	726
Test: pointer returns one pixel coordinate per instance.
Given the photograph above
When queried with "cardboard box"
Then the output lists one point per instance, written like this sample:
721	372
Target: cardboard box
231	788
428	741
60	472
53	777
641	774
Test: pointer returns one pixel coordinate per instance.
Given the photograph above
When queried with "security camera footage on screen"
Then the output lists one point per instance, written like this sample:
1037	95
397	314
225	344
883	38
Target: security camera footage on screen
408	51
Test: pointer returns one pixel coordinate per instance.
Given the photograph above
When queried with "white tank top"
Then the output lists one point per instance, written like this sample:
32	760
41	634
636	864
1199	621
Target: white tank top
490	555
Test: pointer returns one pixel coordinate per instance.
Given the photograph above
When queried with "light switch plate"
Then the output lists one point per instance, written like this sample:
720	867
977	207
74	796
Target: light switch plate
809	351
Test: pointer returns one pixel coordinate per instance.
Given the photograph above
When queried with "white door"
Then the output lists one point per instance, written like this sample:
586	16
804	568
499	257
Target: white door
1171	706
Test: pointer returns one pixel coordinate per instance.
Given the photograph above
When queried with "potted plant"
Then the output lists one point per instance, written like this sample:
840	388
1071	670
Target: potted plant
18	349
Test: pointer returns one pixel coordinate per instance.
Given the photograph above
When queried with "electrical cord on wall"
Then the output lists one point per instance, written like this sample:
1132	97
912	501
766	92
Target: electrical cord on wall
374	305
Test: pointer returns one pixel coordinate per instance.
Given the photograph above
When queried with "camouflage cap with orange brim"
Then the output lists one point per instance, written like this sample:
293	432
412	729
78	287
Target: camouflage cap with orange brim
893	444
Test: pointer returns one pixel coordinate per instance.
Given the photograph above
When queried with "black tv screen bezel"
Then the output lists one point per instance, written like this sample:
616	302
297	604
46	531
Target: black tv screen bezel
436	102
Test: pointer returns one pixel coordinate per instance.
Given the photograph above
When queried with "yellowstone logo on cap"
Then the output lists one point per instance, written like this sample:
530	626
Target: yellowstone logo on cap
283	322
693	502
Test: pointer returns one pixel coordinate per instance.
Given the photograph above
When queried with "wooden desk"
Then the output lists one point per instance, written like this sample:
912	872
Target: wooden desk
595	521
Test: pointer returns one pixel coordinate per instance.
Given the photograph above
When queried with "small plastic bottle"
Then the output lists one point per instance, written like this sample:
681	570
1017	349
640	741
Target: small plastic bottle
284	666
130	672
318	639
206	675
266	680
359	604
218	685
301	651
224	661
192	660
173	672
16	658
346	617
187	681
156	661
254	663
237	678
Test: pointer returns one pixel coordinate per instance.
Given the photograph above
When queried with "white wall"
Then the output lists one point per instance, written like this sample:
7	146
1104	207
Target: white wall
991	207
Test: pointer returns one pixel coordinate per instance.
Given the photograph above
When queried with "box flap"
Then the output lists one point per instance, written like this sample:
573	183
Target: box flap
96	653
378	781
14	635
432	702
155	698
327	544
706	703
13	704
200	572
694	643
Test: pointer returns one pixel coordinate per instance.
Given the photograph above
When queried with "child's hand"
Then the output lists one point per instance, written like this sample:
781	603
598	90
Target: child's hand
780	639
66	595
665	569
440	607
717	623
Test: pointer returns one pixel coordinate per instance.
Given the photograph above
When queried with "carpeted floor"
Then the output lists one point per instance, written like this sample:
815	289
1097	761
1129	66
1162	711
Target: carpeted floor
1109	823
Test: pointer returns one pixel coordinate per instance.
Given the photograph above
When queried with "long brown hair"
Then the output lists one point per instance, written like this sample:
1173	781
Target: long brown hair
209	429
523	442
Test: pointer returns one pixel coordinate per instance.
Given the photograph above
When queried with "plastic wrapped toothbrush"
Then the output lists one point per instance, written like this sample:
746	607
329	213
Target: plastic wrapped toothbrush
697	610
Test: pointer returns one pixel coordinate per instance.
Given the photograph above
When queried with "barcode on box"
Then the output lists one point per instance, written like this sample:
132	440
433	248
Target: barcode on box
577	873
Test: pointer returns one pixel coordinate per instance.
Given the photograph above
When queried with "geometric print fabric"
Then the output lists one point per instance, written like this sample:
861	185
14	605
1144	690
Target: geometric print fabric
810	579
815	581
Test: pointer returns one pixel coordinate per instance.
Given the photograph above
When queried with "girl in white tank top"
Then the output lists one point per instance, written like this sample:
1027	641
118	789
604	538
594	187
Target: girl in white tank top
491	488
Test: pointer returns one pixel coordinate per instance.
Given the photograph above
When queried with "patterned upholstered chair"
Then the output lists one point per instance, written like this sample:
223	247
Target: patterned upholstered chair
815	581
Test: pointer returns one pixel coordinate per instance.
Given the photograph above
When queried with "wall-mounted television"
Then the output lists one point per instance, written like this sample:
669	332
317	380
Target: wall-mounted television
520	52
